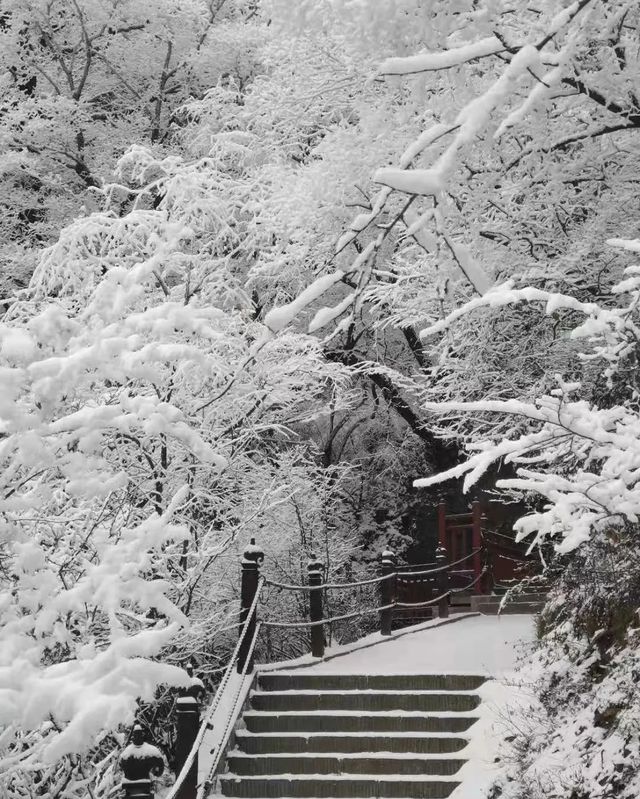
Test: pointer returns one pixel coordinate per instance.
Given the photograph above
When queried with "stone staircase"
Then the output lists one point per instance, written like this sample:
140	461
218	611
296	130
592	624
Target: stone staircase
323	735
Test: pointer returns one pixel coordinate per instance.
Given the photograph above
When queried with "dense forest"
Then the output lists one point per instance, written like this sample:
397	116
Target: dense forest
290	270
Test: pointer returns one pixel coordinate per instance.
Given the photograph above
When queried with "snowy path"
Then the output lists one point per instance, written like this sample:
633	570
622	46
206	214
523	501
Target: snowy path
474	645
481	645
465	644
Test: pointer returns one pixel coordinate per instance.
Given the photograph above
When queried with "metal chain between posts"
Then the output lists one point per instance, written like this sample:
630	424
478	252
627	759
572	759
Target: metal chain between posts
345	617
472	583
439	569
332	586
371	581
376	610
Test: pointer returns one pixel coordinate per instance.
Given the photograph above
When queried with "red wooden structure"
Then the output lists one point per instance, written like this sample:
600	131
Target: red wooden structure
462	534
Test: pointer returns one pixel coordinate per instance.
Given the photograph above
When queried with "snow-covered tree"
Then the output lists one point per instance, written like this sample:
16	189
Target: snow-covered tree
82	81
145	419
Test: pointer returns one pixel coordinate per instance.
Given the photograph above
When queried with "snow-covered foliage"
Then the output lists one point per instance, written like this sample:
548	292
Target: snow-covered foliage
239	216
580	737
578	453
142	412
82	81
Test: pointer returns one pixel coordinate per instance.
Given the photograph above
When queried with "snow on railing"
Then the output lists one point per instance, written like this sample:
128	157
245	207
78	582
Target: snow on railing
442	570
221	695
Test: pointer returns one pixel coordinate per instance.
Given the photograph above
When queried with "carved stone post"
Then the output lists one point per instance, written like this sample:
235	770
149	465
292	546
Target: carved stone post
476	543
139	760
315	569
187	725
442	582
251	561
387	589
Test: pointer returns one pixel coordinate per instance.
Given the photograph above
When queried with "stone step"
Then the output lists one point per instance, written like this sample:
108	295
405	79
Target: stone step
262	722
364	700
528	596
477	601
492	608
322	786
252	743
338	763
288	681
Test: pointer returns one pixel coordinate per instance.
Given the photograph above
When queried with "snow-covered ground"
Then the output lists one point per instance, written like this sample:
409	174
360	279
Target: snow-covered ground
472	644
488	645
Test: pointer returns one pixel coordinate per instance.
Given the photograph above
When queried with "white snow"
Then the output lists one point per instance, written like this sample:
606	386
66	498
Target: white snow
16	344
426	62
632	245
487	645
410	181
278	318
468	265
473	644
139	751
415	227
501	701
360	222
327	314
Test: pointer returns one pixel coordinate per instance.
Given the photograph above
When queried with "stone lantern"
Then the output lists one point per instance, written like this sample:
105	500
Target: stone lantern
139	760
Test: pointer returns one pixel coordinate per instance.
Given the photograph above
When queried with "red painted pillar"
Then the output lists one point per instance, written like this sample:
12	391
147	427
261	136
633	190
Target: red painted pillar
476	543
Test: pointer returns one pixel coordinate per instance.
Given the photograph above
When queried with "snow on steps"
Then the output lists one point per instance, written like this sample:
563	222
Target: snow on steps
349	742
355	722
352	735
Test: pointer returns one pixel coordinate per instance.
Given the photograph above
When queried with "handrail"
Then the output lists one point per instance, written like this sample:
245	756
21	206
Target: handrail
416	565
204	725
445	567
371	581
289	587
231	717
394	604
326	621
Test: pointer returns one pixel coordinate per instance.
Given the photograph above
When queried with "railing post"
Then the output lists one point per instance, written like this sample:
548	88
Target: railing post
187	725
442	523
315	569
387	589
139	760
476	543
251	562
442	582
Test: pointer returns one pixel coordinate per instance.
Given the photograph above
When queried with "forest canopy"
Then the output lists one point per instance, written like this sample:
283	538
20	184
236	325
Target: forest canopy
288	270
